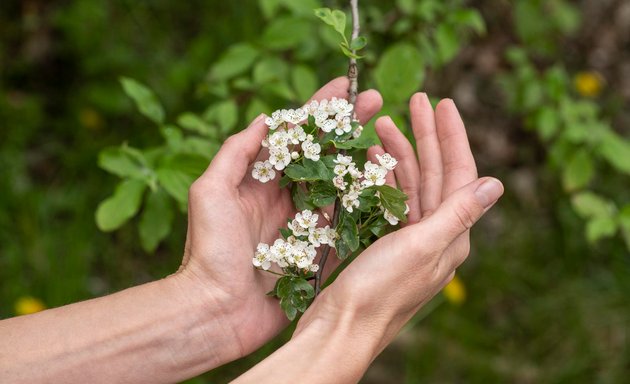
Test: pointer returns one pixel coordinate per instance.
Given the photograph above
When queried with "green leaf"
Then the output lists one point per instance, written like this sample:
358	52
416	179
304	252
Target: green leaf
600	227
176	174
121	206
269	69
123	162
224	114
156	219
349	233
323	194
399	72
393	200
284	287
301	199
285	232
334	18
616	151
286	32
346	51
342	249
236	60
194	123
302	288
255	108
624	224
447	42
146	102
590	205
363	142
309	171
358	43
304	81
288	308
578	172
470	18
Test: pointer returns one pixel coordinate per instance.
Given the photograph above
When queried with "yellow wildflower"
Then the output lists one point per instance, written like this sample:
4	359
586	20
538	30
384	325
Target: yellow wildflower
26	305
588	83
455	291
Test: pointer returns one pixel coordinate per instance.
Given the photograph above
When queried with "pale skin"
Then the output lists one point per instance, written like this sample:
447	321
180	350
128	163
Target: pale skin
214	309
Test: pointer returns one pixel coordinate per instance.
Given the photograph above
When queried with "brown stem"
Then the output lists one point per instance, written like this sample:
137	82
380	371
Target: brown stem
353	75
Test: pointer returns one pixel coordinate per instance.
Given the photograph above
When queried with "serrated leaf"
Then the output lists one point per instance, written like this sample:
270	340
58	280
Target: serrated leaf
393	200
284	287
289	309
236	60
121	206
155	221
146	101
302	288
339	21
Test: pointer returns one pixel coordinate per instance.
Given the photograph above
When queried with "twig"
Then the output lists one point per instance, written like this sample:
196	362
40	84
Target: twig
353	75
353	72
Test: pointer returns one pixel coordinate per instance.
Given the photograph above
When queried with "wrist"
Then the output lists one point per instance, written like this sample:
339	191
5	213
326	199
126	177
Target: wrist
210	314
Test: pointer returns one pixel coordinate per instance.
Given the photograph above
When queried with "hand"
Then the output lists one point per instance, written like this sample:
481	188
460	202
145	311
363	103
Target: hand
402	271
229	214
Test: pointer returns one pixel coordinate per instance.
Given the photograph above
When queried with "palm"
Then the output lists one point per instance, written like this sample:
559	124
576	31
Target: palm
230	213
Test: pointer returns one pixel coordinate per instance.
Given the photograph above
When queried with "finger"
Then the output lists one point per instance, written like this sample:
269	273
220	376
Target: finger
334	88
457	160
230	164
428	146
371	156
458	214
407	170
368	104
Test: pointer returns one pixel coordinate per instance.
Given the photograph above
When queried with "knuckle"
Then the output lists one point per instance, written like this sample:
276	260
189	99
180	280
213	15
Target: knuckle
466	215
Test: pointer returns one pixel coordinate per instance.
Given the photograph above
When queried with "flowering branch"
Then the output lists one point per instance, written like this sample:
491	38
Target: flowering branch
353	76
312	147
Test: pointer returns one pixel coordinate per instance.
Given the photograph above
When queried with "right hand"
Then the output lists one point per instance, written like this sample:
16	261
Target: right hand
392	279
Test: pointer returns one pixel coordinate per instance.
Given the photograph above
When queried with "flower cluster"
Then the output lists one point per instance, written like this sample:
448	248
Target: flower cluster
298	251
289	141
351	182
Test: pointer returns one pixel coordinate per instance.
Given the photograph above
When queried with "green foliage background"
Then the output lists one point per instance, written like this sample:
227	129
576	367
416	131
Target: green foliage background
548	278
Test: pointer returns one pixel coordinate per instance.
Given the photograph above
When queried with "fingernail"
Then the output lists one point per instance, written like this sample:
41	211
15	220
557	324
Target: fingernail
488	192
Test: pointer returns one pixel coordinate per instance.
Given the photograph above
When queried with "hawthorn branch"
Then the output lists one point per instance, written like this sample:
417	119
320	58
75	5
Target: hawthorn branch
353	78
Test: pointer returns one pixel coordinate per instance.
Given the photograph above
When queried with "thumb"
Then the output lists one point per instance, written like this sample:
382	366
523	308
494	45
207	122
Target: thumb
464	208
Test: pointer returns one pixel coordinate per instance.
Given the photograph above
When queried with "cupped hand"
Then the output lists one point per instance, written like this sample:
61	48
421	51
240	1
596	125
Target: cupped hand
229	214
400	272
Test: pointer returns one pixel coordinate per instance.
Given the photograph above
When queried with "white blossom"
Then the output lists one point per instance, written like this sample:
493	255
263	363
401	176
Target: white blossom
311	150
357	132
281	252
294	155
296	134
393	220
350	201
387	161
262	257
307	219
374	175
342	125
343	160
280	158
340	170
263	171
278	140
297	229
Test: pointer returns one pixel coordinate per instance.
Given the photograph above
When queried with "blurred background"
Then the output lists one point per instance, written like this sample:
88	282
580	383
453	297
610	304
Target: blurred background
543	86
